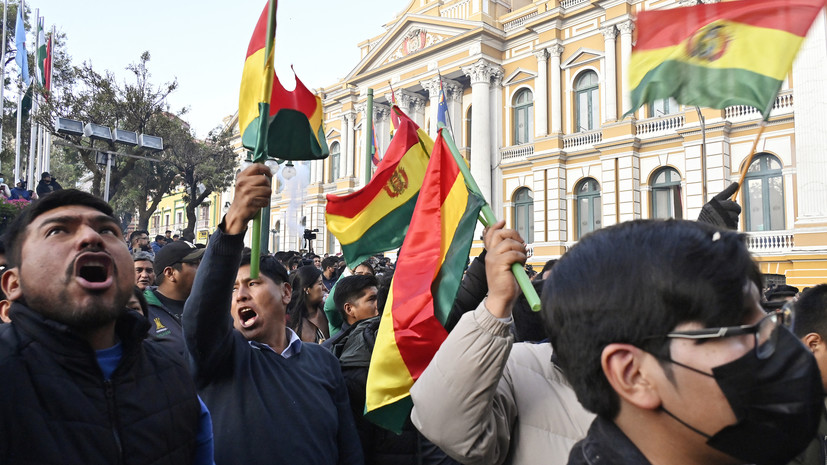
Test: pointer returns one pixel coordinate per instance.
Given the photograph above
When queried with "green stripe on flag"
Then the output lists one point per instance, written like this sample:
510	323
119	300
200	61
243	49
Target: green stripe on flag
706	87
448	279
391	229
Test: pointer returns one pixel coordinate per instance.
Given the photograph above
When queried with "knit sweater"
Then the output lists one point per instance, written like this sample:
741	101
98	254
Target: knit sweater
265	408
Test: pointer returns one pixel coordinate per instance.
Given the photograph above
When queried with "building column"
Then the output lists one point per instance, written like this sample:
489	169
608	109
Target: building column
350	152
610	73
432	86
541	95
556	90
344	152
418	111
481	73
626	29
453	97
381	117
810	104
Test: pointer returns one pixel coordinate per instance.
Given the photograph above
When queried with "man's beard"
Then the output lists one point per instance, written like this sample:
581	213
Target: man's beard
58	308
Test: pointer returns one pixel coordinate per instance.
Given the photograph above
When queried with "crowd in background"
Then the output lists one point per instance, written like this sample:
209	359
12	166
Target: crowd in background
210	363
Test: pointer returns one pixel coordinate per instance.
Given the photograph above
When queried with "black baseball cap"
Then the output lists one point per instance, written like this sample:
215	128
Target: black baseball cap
176	252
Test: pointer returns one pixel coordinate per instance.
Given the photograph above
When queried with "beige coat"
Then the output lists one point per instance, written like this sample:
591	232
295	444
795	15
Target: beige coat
485	400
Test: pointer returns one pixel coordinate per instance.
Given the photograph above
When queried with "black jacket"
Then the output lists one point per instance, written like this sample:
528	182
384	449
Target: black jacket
47	188
381	447
56	408
165	324
605	444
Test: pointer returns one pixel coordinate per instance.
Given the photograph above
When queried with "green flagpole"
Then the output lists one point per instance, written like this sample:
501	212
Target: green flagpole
488	219
369	132
260	153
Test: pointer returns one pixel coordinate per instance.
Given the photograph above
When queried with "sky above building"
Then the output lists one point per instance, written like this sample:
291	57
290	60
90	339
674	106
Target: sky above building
203	43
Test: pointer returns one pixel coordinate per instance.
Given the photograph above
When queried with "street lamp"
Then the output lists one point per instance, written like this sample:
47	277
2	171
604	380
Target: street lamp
95	132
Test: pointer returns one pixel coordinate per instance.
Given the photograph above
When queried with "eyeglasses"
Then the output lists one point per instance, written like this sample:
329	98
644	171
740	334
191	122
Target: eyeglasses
766	336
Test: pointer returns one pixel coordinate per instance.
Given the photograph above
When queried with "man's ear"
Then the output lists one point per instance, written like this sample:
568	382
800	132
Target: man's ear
813	341
286	293
628	372
5	306
169	273
348	308
10	282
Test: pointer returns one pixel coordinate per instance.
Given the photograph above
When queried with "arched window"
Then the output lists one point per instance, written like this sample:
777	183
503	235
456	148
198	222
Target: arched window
586	100
666	194
764	194
523	116
524	213
587	194
334	162
663	107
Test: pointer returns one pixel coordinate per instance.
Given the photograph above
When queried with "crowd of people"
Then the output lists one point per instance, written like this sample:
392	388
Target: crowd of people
654	345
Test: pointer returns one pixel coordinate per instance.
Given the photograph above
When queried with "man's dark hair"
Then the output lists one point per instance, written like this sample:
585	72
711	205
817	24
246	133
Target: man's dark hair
15	234
159	237
811	312
294	261
632	281
330	261
137	233
268	266
350	289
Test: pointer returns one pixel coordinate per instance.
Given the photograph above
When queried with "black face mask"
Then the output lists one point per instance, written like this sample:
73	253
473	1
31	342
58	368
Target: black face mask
777	402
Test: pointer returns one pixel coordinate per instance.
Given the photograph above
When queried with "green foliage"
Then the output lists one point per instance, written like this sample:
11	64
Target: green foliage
9	209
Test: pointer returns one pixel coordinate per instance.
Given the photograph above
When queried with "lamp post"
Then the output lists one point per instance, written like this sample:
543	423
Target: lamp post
95	132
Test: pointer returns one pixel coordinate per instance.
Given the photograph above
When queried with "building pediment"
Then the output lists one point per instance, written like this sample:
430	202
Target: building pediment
518	76
581	57
411	35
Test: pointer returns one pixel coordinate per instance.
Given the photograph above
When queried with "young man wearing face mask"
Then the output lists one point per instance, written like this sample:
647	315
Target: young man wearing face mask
674	354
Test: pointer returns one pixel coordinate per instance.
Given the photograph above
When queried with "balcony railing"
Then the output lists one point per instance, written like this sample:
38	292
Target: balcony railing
770	241
518	153
581	139
515	23
571	3
458	10
660	125
783	104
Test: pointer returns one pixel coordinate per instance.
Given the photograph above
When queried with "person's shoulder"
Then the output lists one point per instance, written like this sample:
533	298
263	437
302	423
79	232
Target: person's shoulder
9	342
319	354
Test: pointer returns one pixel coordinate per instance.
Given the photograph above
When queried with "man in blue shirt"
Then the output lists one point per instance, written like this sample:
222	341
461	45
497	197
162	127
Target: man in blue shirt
79	377
273	398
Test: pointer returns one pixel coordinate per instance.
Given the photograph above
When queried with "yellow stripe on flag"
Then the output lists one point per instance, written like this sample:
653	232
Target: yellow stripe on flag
388	375
747	47
252	78
349	230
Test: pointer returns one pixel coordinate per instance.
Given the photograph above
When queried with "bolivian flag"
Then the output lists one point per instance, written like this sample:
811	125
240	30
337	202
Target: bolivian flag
292	128
720	54
375	218
424	286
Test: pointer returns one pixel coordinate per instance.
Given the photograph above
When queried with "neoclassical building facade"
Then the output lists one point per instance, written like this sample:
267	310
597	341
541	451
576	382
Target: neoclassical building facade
537	94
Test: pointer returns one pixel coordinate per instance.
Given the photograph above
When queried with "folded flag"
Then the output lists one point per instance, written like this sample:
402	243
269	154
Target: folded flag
20	42
375	218
424	286
719	54
293	126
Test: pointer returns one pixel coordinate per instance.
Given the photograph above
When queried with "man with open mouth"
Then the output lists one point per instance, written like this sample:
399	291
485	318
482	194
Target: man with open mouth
81	384
273	398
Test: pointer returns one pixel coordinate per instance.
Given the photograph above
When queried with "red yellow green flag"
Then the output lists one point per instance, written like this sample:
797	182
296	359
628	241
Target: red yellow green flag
424	286
375	218
720	54
293	126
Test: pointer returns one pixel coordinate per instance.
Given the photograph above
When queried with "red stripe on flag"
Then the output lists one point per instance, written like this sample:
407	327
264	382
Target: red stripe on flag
666	28
351	204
